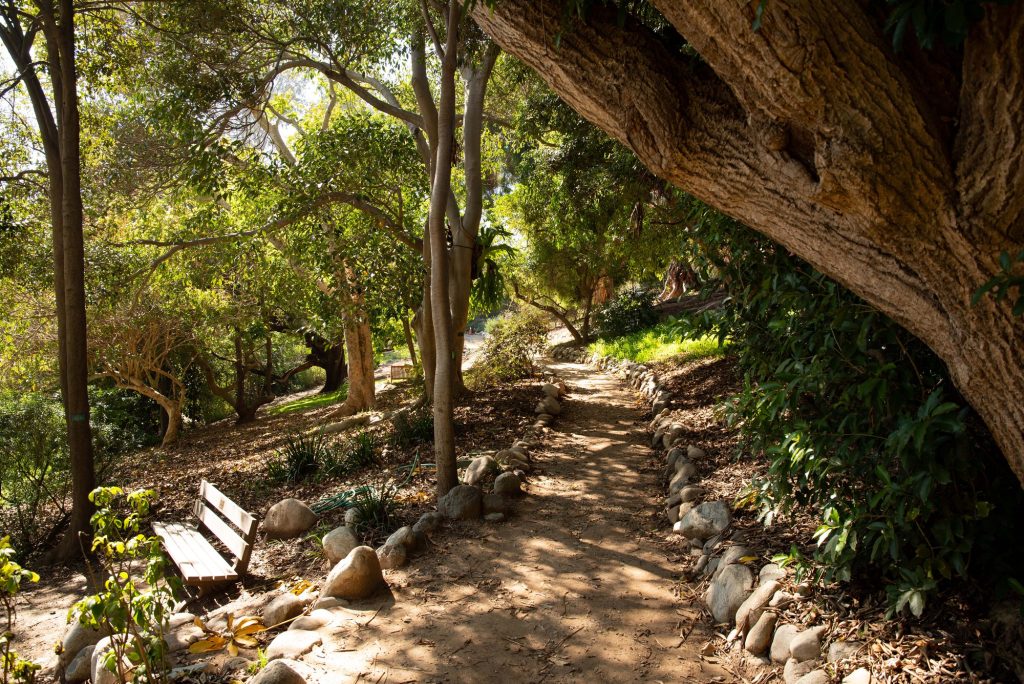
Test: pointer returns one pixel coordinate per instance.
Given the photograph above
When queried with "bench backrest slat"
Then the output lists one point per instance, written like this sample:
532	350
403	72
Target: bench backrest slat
212	500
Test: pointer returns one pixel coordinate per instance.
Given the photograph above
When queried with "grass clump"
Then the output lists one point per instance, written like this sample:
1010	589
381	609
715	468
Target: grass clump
302	456
311	402
412	427
659	343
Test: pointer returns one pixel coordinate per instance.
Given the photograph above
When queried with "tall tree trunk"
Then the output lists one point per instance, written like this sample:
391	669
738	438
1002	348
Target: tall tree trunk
424	322
333	360
813	132
83	476
406	328
444	374
359	347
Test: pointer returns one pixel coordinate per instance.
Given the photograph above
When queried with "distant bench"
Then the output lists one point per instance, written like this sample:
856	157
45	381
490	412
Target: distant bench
402	371
201	565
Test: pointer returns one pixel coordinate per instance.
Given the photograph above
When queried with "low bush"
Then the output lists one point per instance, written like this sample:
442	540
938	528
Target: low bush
362	451
375	507
629	311
660	343
412	427
301	457
860	423
513	342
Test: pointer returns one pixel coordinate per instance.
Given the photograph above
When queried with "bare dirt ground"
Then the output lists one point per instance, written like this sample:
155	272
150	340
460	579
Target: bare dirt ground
578	586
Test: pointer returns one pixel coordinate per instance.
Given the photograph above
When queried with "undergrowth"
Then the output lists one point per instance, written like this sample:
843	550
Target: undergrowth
660	343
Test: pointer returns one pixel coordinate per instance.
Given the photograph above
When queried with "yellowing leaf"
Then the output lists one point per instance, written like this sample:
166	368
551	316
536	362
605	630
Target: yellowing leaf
250	629
232	649
748	559
246	641
214	643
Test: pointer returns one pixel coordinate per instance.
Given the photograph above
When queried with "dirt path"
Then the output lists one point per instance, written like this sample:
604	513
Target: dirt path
574	588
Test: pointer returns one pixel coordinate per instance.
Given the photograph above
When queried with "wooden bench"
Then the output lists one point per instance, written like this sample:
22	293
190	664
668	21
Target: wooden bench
402	371
201	565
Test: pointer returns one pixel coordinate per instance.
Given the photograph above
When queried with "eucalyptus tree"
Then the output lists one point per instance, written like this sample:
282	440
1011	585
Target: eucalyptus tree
51	82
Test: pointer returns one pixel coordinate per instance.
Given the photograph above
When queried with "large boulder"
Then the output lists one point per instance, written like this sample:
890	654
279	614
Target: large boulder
293	643
462	502
77	637
706	520
100	673
80	667
728	591
338	543
392	556
356	577
479	468
507	484
288	519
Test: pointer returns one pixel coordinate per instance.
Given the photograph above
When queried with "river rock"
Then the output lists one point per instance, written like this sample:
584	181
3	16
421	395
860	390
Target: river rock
403	536
507	484
495	503
859	676
807	644
728	591
338	543
550	390
391	556
282	608
759	637
353	517
841	650
428	523
794	670
357	576
690	493
77	637
80	667
706	520
695	453
100	673
771	571
479	468
780	643
815	677
462	502
288	519
549	406
318	619
751	610
278	672
293	643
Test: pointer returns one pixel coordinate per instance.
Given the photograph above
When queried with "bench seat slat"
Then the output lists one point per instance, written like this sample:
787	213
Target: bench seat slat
198	560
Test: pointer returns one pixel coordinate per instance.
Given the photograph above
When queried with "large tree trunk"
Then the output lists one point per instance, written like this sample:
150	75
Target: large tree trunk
361	387
332	360
444	373
811	131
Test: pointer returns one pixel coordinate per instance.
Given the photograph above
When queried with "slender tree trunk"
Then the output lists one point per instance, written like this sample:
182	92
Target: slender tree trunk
425	328
444	375
83	476
406	328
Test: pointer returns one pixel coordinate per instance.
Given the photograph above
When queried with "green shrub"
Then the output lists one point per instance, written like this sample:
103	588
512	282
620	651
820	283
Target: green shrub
660	343
513	342
630	310
412	427
375	507
137	597
359	452
859	420
301	457
13	668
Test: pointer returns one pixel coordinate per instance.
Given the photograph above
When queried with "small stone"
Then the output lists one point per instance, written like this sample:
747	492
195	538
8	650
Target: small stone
352	517
734	554
77	637
550	390
781	599
318	619
690	493
278	672
794	670
695	453
759	637
803	589
462	502
293	643
338	543
479	468
403	536
288	519
80	668
392	557
356	577
495	517
728	591
807	644
507	484
428	523
780	643
701	563
706	520
495	503
815	677
770	572
100	673
549	406
841	650
751	610
282	608
859	676
329	603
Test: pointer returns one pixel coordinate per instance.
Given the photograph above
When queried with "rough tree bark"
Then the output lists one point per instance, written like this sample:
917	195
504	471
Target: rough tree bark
812	131
359	347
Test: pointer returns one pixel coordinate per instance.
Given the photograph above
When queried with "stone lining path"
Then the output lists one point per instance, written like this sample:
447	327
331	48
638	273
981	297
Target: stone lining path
573	588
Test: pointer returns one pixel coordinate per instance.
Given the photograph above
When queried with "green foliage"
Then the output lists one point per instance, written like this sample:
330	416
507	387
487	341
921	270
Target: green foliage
138	597
858	418
12	667
630	310
362	451
375	507
311	402
1000	285
513	341
935	21
660	343
412	427
302	456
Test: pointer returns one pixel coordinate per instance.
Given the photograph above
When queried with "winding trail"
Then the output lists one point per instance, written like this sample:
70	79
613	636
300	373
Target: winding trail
574	588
